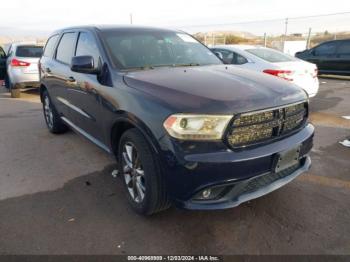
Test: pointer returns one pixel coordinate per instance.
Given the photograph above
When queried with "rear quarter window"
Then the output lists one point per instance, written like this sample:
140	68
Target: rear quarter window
29	51
270	55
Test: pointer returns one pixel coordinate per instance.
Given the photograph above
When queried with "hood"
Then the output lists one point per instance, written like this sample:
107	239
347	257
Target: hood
219	89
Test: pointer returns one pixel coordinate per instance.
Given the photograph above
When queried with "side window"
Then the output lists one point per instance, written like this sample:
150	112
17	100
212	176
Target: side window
326	49
240	60
227	56
87	46
65	48
50	45
2	53
344	48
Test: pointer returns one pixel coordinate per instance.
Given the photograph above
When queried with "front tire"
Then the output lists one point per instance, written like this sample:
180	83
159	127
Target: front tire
140	174
52	118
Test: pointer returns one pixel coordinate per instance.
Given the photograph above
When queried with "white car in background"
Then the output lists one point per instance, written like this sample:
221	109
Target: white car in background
273	62
22	67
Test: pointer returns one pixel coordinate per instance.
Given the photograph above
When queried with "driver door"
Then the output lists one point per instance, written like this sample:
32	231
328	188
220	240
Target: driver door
2	64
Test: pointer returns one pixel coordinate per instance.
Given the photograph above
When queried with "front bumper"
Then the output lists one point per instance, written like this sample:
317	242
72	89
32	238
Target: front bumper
235	171
249	189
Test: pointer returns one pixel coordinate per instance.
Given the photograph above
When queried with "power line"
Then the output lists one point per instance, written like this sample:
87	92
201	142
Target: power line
268	20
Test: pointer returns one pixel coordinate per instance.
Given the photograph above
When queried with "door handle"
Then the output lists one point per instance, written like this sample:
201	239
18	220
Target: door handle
71	79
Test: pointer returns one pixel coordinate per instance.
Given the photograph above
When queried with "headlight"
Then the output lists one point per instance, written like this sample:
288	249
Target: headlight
197	127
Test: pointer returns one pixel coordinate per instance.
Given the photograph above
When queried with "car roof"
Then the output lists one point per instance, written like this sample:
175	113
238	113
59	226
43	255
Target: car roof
16	44
240	47
116	27
334	41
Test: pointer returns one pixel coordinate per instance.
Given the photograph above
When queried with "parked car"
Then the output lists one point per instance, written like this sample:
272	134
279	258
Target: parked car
331	57
272	62
22	67
2	63
185	128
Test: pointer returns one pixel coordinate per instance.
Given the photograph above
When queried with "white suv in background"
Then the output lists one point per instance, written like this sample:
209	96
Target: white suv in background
22	67
273	62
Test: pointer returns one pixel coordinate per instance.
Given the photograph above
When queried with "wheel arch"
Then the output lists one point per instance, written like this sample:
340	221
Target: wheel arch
126	121
41	90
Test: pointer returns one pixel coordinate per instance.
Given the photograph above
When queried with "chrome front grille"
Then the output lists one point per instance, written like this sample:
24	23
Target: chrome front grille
261	126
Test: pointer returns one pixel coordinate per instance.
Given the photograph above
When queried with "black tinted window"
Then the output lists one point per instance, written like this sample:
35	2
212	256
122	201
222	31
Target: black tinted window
29	51
227	56
50	45
240	60
326	49
344	48
87	46
65	48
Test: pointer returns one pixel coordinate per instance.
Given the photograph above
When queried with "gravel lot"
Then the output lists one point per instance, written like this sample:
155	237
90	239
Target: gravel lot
57	196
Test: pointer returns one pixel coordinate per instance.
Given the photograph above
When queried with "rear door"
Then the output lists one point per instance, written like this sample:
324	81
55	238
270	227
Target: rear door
59	71
343	57
324	56
2	64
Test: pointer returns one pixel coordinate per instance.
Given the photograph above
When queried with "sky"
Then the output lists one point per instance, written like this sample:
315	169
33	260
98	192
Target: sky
43	16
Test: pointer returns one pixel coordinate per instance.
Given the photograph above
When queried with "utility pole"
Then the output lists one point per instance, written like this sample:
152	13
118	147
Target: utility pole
265	40
285	32
130	18
286	29
308	39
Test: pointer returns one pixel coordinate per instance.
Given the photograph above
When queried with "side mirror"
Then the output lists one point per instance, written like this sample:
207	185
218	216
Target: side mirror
312	52
219	55
83	64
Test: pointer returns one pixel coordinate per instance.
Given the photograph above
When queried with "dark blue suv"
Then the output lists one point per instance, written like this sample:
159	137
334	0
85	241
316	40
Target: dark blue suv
185	128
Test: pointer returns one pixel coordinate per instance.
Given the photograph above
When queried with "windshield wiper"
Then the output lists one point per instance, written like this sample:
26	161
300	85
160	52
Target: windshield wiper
146	67
189	64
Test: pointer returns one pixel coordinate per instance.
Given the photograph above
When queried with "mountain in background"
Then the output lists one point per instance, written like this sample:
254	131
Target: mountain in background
219	33
9	35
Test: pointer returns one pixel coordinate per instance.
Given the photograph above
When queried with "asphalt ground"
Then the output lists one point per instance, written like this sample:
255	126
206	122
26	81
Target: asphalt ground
57	196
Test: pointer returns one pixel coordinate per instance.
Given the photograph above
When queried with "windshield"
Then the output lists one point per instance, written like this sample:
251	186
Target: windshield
270	55
29	51
148	49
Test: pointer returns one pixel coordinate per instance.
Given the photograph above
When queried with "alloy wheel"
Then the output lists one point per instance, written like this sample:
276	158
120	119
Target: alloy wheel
48	112
133	172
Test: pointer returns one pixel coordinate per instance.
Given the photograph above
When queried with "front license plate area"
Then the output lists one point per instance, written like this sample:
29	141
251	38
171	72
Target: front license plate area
287	159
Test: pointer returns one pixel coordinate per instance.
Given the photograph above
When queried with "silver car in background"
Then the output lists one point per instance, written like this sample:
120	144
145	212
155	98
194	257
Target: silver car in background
22	67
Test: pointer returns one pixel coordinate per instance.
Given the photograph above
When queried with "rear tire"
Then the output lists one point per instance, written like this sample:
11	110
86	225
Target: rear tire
53	121
140	173
15	93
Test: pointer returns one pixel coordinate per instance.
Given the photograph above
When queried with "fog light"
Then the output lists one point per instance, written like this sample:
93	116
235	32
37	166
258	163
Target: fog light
206	193
211	193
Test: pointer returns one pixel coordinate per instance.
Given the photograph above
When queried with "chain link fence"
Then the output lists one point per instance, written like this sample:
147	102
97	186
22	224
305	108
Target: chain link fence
302	32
